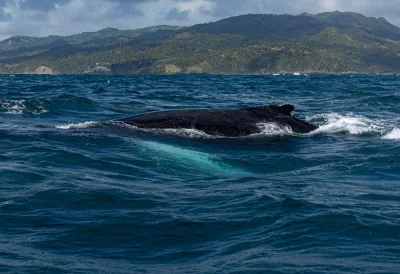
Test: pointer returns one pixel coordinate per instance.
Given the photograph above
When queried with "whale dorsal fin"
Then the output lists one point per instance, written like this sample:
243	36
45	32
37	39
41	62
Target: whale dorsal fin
286	109
275	109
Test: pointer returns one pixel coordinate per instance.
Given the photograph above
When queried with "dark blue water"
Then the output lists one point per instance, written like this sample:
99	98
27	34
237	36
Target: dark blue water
82	194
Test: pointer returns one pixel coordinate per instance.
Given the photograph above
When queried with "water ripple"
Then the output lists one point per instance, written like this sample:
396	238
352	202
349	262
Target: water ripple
81	193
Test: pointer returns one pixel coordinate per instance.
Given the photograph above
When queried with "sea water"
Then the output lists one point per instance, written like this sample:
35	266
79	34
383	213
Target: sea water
81	193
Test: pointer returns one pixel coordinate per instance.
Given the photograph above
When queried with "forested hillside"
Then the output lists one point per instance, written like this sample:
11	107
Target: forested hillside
334	42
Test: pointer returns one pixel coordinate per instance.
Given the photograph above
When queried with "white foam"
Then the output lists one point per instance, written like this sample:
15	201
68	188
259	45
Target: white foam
78	125
20	107
273	129
13	106
267	129
394	134
334	123
330	123
179	132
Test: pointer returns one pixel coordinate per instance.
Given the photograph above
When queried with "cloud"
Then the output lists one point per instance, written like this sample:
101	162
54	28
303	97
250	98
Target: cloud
4	16
63	17
4	3
174	14
41	5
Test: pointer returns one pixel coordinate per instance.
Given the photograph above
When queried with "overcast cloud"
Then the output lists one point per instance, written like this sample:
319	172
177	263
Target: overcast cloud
63	17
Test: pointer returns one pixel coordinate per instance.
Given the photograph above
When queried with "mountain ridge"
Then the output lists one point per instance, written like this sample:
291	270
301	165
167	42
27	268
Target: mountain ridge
332	42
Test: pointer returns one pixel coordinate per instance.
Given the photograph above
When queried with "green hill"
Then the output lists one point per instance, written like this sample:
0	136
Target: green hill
333	42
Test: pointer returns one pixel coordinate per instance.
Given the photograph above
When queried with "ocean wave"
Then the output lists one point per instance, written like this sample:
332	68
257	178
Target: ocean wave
394	134
83	125
357	125
23	106
334	123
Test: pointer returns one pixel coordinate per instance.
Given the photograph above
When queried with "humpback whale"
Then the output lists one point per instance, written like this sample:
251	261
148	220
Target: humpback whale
222	122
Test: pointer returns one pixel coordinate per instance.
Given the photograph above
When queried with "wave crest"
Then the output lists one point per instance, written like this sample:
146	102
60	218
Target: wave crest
87	124
394	134
357	125
33	106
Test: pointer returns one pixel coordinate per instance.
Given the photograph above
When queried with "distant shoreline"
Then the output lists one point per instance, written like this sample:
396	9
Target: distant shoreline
215	74
332	43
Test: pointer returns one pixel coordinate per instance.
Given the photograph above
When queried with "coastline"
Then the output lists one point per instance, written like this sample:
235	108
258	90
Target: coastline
297	73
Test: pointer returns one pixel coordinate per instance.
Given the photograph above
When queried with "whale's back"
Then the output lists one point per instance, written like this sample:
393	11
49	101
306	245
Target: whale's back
225	122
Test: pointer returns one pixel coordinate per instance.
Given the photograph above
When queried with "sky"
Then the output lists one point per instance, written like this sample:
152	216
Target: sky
65	17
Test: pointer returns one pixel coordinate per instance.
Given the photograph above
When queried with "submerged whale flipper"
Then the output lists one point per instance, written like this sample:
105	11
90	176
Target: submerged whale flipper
201	158
222	122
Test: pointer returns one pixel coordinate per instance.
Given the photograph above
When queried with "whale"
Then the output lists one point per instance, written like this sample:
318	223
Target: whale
187	155
222	122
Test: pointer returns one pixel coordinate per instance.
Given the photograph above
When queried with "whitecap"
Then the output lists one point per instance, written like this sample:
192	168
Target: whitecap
394	134
273	129
13	106
21	107
87	124
334	123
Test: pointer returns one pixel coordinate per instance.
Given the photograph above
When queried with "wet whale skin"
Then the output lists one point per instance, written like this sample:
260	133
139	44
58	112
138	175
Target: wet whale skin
222	122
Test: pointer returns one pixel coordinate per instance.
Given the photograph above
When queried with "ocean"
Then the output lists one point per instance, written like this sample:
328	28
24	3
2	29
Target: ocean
81	193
